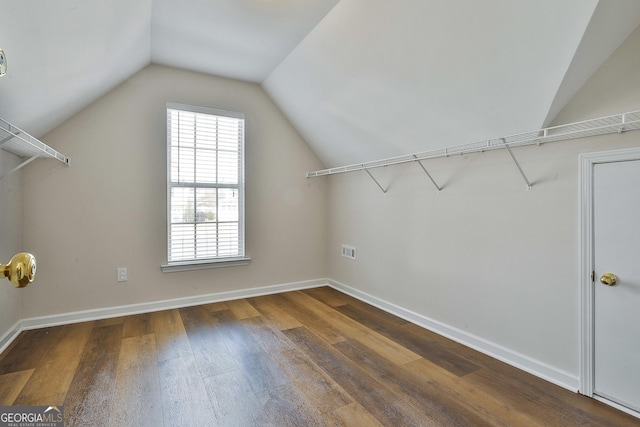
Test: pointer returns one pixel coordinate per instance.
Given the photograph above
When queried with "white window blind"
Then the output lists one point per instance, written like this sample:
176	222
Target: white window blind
205	184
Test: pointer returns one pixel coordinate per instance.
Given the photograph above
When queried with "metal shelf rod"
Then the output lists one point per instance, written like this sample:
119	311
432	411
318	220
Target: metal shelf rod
617	123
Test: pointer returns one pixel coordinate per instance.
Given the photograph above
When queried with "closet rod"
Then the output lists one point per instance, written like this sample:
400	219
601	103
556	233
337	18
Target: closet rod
616	123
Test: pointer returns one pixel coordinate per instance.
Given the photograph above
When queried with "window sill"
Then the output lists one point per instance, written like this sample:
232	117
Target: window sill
201	265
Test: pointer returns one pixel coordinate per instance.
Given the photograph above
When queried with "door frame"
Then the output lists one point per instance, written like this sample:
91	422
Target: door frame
586	263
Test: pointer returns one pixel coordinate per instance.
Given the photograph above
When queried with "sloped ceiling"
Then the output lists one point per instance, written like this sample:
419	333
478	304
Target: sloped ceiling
64	54
241	39
377	79
359	79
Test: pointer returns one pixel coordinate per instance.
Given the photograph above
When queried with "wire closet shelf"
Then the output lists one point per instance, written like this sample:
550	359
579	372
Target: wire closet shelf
617	123
16	141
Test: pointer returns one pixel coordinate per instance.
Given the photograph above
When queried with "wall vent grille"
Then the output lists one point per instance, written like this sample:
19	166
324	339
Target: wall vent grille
349	252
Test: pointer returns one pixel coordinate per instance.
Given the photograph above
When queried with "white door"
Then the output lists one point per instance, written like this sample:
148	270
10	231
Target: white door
616	307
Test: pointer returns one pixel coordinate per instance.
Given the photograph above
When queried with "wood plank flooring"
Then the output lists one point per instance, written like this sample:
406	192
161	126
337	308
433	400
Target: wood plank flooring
307	358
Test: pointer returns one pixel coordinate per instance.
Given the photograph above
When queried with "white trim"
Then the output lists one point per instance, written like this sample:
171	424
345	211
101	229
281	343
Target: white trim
586	261
147	307
201	265
585	266
174	113
204	110
10	335
513	358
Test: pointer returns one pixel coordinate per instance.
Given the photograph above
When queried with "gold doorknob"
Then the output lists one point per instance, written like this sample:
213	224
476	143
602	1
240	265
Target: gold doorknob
21	269
609	279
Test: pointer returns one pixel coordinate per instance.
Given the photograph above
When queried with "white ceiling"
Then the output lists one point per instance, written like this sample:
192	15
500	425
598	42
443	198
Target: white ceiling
378	79
241	39
64	54
359	79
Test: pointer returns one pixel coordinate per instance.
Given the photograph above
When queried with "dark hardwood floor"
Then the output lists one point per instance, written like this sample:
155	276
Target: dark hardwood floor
306	358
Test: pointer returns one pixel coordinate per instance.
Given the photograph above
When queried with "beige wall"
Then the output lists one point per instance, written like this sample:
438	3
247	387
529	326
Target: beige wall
108	209
10	237
485	256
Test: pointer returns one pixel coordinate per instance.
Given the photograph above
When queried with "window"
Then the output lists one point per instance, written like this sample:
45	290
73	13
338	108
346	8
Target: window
205	186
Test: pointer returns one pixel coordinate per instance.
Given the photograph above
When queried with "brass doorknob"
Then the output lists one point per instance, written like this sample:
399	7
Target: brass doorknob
609	279
21	270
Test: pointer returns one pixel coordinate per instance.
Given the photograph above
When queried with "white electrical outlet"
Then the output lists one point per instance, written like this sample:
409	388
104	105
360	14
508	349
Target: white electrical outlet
122	274
349	252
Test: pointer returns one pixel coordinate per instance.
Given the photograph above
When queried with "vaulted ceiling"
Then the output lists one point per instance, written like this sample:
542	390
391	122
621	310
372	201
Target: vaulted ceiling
359	79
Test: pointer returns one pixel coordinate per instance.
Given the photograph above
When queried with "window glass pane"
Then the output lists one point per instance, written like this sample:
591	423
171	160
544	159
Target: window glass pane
206	205
182	205
182	164
207	240
182	242
228	204
206	166
175	164
229	130
228	167
184	125
207	131
228	239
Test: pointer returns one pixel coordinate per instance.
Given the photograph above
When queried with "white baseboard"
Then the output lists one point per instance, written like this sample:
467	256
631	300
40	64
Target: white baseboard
10	335
147	307
513	358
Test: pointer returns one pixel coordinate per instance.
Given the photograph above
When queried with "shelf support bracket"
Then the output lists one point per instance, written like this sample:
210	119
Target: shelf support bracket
376	181
428	174
622	123
504	141
20	166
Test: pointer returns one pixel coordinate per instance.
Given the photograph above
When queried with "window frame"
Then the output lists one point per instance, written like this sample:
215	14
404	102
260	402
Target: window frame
218	261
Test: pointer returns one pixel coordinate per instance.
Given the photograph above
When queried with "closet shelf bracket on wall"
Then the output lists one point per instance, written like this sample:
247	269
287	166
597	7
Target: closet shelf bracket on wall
428	174
376	181
20	143
524	176
617	123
